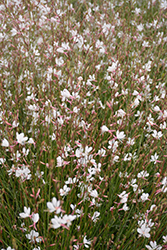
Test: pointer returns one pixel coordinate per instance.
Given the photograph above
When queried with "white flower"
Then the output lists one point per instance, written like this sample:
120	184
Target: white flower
23	172
140	27
113	67
79	152
145	44
144	231
156	134
144	196
113	145
20	138
120	113
26	213
131	141
164	183
143	174
120	135
163	4
95	216
71	181
54	206
2	160
154	158
33	236
94	193
31	141
147	66
59	161
125	207
152	207
104	129
68	219
128	157
77	247
86	242
163	125
64	191
56	222
14	32
35	218
154	246
123	196
101	152
156	108
65	94
164	239
5	143
137	11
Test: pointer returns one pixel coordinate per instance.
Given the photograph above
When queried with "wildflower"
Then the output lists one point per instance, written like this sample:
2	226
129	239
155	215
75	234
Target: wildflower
113	145
154	158
71	181
144	197
163	125
31	141
64	191
131	141
86	242
104	129
128	157
79	152
113	67
35	218
101	152
164	183
33	236
144	231
156	108
153	246
120	135
163	4
152	207
65	94
137	11
25	152
68	219
164	239
95	216
26	213
59	161
123	196
2	160
76	247
56	222
5	143
14	32
149	223
94	193
120	113
23	173
140	27
125	207
143	174
157	135
54	206
147	66
145	44
20	138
